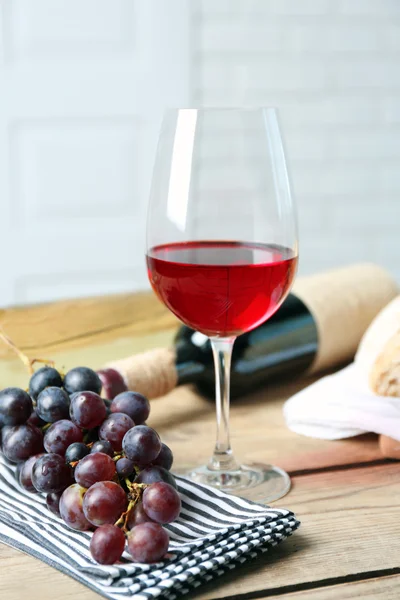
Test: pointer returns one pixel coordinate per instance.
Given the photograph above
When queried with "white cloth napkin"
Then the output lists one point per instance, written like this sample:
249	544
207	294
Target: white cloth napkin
342	405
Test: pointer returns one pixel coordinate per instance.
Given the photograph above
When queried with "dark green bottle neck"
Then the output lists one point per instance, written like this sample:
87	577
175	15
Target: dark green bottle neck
191	362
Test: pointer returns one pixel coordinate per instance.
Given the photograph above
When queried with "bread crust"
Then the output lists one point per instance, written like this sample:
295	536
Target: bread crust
384	376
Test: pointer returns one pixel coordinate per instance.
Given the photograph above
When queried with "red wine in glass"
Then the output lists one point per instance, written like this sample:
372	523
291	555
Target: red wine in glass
221	288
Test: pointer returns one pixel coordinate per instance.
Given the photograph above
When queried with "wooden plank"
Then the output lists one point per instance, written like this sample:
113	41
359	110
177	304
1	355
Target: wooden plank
350	527
75	323
187	422
25	577
381	588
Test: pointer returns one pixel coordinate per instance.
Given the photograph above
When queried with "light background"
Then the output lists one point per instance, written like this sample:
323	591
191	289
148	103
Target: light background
83	84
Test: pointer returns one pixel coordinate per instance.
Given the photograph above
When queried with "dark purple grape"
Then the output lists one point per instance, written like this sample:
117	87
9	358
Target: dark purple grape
112	382
152	474
93	468
53	502
125	467
147	543
43	378
87	409
34	419
60	435
52	404
75	452
82	379
161	502
142	445
25	473
133	404
15	406
107	544
104	447
138	516
165	458
21	442
71	508
51	474
104	503
114	428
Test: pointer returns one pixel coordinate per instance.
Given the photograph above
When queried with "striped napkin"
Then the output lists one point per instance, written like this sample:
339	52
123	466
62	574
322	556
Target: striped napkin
215	533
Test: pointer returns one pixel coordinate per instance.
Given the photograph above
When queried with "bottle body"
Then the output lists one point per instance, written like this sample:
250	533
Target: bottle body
286	344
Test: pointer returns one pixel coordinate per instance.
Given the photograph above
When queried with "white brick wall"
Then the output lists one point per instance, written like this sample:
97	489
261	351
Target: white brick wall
333	68
83	84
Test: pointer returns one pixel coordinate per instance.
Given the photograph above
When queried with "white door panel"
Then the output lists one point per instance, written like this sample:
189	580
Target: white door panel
83	84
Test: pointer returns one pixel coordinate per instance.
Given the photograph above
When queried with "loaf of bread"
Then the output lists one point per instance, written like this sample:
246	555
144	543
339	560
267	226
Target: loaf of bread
378	356
384	377
378	341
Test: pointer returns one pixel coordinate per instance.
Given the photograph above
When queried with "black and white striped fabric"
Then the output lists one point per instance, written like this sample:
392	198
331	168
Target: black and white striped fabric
215	533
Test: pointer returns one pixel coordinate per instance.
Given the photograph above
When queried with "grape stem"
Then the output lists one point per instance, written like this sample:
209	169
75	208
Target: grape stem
123	520
135	488
135	491
28	362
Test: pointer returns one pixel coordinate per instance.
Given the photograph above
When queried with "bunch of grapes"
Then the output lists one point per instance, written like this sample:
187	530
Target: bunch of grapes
101	467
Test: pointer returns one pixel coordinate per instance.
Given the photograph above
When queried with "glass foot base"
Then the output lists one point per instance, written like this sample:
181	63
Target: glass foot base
258	482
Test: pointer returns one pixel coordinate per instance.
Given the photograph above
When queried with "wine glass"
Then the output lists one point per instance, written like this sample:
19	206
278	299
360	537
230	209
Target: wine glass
222	250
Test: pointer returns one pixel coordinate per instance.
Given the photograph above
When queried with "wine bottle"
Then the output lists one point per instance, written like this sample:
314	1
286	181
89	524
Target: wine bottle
318	326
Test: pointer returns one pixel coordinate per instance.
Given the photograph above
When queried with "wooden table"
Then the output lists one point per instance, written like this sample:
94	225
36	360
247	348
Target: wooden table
346	496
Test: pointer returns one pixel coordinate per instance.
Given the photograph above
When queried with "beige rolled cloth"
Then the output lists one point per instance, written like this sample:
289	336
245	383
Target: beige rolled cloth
343	303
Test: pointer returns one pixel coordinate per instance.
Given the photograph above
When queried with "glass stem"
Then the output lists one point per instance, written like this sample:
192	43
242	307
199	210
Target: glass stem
222	459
